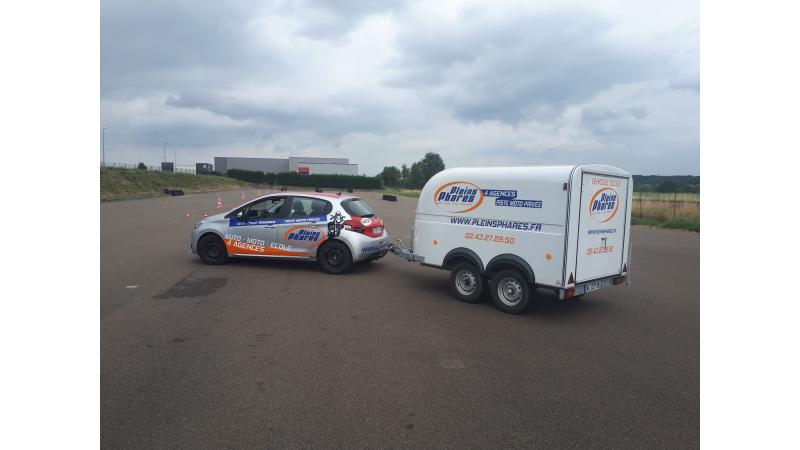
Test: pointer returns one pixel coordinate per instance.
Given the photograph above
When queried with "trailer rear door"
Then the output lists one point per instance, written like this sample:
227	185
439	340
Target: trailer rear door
601	226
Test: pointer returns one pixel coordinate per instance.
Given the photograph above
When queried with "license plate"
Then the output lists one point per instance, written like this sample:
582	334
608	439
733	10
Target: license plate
593	286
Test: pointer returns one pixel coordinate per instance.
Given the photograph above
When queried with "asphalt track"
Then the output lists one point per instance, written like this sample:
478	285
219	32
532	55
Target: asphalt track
271	354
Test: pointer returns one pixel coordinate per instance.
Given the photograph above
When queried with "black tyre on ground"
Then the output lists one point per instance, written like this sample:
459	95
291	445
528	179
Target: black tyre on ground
335	257
466	282
212	250
510	291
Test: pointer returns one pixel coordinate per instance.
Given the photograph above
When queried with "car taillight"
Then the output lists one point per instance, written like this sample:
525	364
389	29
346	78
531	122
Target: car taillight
619	280
357	224
568	293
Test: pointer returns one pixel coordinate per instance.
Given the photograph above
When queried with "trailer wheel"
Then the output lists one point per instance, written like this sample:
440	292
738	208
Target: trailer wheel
466	282
510	291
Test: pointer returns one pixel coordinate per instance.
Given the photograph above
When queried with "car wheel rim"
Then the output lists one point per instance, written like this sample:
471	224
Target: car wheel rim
214	250
335	257
466	282
509	291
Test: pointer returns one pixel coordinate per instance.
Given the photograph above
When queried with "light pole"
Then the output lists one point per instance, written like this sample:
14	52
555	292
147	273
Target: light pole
165	151
103	140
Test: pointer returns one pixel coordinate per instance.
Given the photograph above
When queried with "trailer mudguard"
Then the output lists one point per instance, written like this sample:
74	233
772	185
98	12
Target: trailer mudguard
513	260
462	252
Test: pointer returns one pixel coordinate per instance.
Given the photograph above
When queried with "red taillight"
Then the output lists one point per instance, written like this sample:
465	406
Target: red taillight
354	225
619	280
569	293
373	228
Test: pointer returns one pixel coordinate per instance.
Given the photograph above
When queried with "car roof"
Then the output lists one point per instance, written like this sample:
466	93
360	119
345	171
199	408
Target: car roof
320	195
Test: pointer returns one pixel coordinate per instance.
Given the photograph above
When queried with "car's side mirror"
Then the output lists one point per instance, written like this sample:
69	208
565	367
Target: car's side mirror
240	215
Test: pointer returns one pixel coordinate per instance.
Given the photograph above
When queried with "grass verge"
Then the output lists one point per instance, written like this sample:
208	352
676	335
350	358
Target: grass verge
674	224
128	184
404	193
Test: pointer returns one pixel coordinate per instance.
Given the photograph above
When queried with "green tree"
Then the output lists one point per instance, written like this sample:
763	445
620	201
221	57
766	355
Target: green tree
390	176
141	166
432	164
404	174
666	186
416	176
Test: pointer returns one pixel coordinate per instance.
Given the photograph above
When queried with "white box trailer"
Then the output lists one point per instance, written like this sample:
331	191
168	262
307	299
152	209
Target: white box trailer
509	230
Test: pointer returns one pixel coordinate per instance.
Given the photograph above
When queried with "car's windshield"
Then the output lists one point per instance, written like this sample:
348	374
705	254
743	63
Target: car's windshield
358	208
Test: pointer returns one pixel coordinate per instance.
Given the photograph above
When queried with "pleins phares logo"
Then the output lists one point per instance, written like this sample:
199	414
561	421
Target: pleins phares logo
604	205
304	236
458	197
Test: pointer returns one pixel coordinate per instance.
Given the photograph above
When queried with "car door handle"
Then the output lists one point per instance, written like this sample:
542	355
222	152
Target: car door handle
270	226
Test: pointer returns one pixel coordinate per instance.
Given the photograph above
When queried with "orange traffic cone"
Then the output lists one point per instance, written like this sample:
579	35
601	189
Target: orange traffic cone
188	215
205	214
219	202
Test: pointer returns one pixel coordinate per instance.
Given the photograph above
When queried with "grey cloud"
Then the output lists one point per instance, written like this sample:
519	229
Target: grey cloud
639	112
602	121
331	20
164	46
342	115
596	114
600	113
505	68
515	86
688	83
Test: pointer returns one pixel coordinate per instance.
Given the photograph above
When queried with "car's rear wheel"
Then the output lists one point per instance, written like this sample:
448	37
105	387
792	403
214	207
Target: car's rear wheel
335	257
466	282
510	291
212	250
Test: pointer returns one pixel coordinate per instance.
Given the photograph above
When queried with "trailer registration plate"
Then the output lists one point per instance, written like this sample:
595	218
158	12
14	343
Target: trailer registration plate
593	286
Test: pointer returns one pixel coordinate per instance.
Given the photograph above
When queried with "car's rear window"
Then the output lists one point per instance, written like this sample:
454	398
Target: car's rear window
358	208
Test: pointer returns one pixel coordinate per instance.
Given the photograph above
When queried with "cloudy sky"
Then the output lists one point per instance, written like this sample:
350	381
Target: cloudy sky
382	82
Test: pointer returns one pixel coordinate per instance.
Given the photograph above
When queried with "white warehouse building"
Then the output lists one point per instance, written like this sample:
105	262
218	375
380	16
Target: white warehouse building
300	164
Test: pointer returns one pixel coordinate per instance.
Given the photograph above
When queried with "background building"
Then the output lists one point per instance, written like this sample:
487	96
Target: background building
300	164
203	168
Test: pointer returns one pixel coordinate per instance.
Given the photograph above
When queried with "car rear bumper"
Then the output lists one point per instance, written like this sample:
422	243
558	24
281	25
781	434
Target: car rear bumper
365	247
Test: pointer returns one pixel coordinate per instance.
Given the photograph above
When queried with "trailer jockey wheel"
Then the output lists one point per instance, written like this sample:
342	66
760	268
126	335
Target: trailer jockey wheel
466	282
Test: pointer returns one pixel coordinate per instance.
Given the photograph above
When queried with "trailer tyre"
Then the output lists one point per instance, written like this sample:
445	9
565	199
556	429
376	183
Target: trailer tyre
466	282
510	291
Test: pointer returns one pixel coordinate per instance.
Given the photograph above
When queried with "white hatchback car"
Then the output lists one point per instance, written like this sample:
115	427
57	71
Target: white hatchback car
336	230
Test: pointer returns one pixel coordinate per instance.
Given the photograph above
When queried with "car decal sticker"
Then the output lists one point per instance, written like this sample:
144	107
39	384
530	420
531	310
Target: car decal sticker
251	246
305	236
234	222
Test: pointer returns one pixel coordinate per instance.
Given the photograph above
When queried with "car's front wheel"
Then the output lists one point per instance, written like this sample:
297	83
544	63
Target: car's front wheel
335	257
212	250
